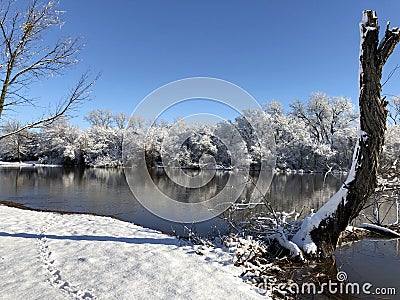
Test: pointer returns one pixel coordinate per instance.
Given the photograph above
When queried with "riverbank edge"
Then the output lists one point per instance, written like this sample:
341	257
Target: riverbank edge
35	164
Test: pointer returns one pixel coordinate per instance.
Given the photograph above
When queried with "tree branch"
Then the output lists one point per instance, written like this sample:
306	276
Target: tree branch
77	95
388	43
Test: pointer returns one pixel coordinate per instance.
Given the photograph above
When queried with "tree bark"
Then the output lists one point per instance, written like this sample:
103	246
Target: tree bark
320	232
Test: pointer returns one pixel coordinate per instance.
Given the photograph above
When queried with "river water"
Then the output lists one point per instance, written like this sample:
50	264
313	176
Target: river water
106	192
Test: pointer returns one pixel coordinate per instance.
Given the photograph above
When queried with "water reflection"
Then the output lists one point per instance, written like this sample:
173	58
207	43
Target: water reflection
105	192
375	261
290	192
169	200
186	194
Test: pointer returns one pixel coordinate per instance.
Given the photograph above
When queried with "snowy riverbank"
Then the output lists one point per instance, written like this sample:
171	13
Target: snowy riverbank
25	164
53	256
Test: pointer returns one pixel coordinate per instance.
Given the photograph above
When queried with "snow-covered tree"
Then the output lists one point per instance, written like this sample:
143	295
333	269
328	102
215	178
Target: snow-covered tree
293	142
16	147
278	119
255	129
103	146
320	232
184	145
328	120
121	120
60	143
232	149
100	117
391	150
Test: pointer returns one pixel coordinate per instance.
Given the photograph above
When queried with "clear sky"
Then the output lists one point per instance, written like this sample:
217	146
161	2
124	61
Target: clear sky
282	50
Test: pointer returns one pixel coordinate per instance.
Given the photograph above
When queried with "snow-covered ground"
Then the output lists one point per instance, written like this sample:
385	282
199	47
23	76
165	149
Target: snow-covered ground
53	256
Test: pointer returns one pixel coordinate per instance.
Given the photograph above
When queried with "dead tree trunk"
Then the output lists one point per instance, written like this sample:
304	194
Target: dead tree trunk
320	232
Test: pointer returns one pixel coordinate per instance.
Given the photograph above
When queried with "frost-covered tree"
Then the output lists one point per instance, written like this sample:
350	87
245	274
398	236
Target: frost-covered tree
184	145
100	117
391	151
296	151
255	129
121	120
278	119
315	135
232	149
104	139
328	120
15	147
324	116
103	146
293	142
133	143
60	143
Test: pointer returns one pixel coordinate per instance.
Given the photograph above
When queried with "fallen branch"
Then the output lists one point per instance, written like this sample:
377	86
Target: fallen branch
380	229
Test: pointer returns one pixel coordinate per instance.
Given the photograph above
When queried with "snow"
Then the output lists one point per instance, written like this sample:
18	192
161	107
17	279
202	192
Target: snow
378	228
285	243
25	164
363	135
52	256
354	165
364	18
303	239
353	228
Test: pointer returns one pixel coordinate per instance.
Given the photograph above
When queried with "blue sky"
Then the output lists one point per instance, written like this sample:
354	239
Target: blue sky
282	50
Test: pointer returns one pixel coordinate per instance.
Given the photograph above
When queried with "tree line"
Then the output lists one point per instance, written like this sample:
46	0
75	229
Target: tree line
316	135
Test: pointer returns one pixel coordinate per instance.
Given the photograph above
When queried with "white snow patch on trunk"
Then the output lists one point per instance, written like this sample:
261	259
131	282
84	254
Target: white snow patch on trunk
303	238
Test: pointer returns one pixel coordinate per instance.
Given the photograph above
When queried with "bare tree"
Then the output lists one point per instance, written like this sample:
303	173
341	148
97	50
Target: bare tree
135	122
121	119
394	113
100	117
25	58
320	232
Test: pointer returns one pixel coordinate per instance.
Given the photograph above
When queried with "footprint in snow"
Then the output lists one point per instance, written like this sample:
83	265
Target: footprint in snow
55	277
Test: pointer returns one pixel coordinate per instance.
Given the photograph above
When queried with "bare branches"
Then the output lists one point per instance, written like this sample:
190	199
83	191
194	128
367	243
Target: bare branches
391	74
394	112
77	95
100	117
25	57
52	62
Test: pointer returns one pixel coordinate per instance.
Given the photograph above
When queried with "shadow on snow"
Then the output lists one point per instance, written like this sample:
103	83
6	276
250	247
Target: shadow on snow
161	241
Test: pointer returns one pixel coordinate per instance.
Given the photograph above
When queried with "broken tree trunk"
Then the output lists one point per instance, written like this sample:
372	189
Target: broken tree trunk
320	231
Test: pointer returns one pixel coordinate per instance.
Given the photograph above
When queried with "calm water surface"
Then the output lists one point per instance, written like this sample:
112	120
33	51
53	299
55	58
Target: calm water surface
106	192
